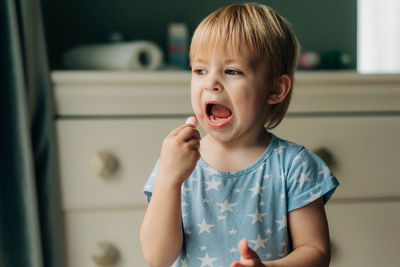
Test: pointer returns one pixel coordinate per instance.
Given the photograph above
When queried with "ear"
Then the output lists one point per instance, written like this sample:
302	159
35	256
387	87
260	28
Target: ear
281	88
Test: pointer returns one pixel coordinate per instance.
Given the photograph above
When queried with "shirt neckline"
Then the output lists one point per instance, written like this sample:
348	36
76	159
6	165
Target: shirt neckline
249	168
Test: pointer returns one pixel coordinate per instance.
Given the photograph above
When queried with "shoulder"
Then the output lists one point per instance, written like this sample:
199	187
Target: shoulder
285	149
293	156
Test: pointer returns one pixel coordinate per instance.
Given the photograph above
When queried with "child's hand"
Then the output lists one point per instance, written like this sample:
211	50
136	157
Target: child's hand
179	154
249	257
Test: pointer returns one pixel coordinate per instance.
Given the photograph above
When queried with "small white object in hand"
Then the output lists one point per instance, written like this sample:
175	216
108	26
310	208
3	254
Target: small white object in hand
192	120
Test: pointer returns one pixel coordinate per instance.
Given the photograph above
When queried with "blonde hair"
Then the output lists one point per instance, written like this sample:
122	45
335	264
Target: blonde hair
259	32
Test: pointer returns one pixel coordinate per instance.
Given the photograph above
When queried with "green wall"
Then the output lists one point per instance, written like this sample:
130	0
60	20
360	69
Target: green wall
320	25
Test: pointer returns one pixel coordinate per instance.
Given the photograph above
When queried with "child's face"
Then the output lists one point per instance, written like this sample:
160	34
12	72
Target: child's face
229	96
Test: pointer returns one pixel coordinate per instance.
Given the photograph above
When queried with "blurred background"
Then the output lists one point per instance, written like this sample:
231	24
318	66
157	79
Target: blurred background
83	118
320	26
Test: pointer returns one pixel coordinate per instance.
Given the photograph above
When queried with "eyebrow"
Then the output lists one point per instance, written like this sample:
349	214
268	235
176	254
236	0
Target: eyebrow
227	61
200	60
232	60
205	61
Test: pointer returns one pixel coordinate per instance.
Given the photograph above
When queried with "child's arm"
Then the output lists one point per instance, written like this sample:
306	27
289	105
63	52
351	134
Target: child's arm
310	236
161	234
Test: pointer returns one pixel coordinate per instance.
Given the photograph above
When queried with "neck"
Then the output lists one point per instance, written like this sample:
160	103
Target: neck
260	139
233	156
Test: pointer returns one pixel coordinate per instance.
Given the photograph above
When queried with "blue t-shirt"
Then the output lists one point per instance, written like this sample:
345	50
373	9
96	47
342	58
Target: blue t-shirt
220	208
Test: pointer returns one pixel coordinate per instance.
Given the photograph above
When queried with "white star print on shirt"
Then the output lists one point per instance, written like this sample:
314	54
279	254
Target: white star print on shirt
313	196
184	263
233	250
233	231
226	206
204	227
193	179
256	190
207	261
212	185
257	217
279	150
259	242
188	232
304	177
211	171
282	223
185	189
324	171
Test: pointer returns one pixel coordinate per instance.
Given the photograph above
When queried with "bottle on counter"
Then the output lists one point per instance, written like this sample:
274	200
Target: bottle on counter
178	39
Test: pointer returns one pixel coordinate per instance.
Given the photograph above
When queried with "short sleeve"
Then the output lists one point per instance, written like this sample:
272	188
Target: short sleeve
308	179
149	185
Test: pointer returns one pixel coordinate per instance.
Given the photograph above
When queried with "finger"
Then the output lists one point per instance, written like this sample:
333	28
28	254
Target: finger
196	134
177	130
194	144
188	133
246	251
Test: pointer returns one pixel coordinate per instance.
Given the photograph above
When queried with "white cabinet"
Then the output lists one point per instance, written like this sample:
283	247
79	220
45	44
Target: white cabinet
83	147
110	126
116	231
364	233
365	150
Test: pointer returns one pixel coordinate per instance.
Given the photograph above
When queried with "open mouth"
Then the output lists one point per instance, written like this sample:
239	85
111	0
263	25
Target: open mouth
218	114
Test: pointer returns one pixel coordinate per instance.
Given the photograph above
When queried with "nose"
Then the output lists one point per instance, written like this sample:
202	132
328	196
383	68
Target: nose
214	83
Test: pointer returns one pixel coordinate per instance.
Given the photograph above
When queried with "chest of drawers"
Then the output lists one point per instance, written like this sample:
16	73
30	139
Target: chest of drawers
110	126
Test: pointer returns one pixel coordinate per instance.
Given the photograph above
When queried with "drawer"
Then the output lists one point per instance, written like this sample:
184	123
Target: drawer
118	228
135	143
366	150
364	234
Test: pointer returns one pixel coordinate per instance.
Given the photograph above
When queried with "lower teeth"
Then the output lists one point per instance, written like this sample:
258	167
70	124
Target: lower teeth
214	119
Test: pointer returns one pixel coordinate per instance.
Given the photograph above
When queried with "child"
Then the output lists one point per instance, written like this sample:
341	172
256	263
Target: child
239	196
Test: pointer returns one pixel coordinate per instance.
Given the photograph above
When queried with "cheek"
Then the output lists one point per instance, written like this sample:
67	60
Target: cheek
250	106
196	103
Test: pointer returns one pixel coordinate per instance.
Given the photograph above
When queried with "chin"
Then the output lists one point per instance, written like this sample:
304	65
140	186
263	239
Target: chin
220	136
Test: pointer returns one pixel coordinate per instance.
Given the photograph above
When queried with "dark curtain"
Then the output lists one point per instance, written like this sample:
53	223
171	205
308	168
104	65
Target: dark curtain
31	231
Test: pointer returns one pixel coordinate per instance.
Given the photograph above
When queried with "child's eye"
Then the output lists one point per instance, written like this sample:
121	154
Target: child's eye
200	71
233	72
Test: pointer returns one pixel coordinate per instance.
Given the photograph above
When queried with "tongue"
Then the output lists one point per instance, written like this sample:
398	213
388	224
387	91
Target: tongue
220	111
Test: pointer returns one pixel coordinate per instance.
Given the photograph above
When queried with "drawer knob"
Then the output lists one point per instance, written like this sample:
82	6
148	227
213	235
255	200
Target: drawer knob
105	164
327	156
105	254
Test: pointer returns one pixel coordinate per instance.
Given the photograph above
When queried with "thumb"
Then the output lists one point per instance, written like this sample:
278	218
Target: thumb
246	251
